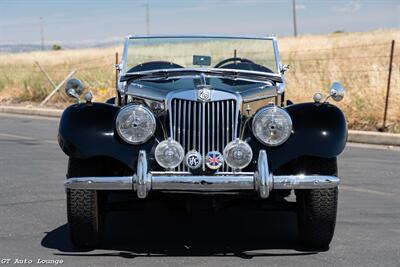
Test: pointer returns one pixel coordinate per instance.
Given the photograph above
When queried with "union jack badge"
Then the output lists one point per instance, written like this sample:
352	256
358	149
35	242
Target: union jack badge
214	160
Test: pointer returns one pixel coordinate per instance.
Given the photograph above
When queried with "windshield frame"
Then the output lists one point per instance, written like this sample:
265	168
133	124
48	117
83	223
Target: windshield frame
278	75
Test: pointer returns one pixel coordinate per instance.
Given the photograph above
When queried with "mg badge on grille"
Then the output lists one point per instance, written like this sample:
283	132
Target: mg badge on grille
214	160
193	160
203	95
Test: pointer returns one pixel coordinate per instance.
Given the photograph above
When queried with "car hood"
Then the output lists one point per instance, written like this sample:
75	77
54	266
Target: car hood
159	89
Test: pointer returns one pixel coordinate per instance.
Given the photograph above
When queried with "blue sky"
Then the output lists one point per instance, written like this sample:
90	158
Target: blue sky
73	21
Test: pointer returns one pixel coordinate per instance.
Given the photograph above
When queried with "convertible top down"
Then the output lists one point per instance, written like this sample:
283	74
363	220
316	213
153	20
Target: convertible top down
204	116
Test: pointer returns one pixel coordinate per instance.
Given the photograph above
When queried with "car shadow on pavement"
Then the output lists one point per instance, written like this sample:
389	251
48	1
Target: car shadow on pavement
245	235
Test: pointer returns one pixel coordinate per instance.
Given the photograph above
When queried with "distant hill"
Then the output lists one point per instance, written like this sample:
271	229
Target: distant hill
18	48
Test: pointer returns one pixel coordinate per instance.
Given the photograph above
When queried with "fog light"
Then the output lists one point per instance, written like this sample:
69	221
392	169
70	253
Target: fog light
238	154
169	154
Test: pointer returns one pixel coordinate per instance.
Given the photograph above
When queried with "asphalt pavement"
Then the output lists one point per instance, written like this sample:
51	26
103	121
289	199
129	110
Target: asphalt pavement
33	227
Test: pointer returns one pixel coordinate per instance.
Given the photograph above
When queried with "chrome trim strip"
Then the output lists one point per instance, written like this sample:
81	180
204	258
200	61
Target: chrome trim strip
100	183
203	183
305	181
249	100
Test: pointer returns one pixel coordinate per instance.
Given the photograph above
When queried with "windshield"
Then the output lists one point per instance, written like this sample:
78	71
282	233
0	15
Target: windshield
155	53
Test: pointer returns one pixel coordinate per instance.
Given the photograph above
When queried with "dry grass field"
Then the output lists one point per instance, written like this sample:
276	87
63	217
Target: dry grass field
360	61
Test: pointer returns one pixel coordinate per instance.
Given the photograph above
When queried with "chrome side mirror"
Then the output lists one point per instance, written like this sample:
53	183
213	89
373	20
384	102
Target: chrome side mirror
337	91
74	88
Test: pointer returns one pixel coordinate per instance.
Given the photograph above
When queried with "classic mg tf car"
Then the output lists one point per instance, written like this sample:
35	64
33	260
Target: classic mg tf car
202	121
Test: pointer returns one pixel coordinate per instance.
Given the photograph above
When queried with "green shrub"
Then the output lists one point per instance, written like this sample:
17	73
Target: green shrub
56	47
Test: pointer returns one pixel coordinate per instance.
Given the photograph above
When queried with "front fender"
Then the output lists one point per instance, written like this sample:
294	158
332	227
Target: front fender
88	130
319	130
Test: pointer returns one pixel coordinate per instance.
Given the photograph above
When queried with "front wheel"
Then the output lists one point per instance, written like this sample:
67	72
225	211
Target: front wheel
317	208
83	217
84	207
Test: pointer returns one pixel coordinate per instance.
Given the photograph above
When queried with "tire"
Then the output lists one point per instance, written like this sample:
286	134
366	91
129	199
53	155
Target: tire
84	209
317	208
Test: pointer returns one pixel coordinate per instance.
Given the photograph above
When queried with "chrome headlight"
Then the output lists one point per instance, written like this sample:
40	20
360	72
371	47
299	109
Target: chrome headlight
272	126
135	124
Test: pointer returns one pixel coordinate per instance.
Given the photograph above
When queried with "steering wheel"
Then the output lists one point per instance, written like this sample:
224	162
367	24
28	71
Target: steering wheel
233	59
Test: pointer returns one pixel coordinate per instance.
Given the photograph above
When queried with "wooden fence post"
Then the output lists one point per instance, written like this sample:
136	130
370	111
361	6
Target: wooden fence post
388	87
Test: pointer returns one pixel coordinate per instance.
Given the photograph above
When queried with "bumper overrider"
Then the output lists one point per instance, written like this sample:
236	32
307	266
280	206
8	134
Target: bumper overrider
262	181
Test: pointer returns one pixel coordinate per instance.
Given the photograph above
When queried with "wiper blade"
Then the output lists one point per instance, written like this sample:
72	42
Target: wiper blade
229	73
165	73
145	74
253	75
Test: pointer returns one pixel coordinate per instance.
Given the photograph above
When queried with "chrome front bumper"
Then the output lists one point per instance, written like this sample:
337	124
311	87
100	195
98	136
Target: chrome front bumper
262	181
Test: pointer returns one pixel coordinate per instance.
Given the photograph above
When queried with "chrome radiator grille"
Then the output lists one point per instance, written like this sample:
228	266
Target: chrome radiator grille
203	126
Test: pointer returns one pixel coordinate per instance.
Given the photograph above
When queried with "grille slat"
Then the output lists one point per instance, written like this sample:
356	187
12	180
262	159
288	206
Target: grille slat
228	128
218	124
203	132
203	126
199	116
179	129
189	129
223	123
194	124
233	122
184	127
213	125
